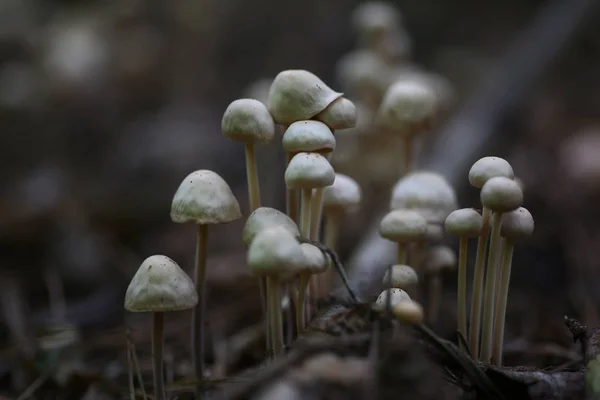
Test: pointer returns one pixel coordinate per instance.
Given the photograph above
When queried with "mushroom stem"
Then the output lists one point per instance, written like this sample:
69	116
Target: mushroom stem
490	290
198	313
271	316
461	322
477	297
291	196
305	213
330	236
500	311
277	318
408	155
252	177
317	210
402	247
157	354
435	293
301	303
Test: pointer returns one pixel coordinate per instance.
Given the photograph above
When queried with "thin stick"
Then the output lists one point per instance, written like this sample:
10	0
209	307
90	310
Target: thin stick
136	365
316	212
278	333
157	353
477	299
130	372
198	313
500	312
271	318
330	237
252	177
461	322
291	197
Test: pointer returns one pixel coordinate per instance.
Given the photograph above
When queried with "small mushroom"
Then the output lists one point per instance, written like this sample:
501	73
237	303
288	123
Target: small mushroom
403	227
203	198
408	311
396	296
263	218
516	224
159	286
339	115
403	277
248	121
435	261
466	223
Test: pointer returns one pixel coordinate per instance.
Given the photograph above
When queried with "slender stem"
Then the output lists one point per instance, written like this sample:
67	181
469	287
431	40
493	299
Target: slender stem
316	209
157	355
500	312
477	299
330	236
305	213
435	293
271	317
291	197
278	331
130	378
408	155
264	305
138	370
198	313
289	315
300	305
490	290
461	322
252	177
402	257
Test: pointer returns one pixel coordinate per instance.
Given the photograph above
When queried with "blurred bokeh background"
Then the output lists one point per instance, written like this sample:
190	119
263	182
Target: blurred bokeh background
106	105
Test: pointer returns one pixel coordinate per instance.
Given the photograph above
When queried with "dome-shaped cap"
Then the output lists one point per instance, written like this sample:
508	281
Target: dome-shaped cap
298	95
309	170
501	194
408	107
316	261
374	16
363	71
341	114
438	258
248	121
343	196
308	136
203	197
276	252
489	167
403	276
160	285
403	226
408	311
396	296
266	217
466	222
517	224
427	192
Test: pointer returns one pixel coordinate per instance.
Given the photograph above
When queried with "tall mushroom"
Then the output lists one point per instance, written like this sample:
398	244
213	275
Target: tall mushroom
481	171
202	198
516	225
159	286
403	227
435	261
466	223
500	195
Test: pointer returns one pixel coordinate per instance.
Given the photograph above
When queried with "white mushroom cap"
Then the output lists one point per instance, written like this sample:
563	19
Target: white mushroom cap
501	194
466	222
309	170
248	121
397	296
341	114
266	217
517	224
203	197
276	252
439	257
403	226
375	16
298	95
403	276
308	136
363	72
343	196
489	167
316	261
427	192
408	107
409	311
160	285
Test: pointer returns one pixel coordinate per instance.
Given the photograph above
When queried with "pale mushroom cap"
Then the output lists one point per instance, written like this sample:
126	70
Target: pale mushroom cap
403	276
343	196
298	95
438	258
375	16
316	262
267	217
408	107
435	232
309	170
517	224
427	192
403	226
248	121
341	114
203	197
275	252
501	194
160	285
308	136
489	167
466	222
397	296
363	71
409	311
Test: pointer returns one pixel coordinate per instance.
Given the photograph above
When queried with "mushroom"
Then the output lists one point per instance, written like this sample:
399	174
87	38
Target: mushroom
395	296
159	286
403	227
408	108
248	121
203	198
275	254
466	223
408	311
500	195
403	277
516	224
481	171
316	263
435	261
